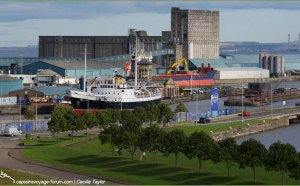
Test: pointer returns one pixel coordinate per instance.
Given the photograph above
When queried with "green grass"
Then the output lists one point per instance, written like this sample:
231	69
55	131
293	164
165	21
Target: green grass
19	175
216	127
95	159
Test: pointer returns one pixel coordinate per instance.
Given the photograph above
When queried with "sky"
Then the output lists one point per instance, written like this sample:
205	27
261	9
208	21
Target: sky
21	23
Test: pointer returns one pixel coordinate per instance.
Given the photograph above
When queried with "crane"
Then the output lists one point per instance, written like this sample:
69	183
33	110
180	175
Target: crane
182	60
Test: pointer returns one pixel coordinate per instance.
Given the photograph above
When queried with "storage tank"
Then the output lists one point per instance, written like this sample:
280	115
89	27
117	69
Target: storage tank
277	66
265	62
271	65
282	71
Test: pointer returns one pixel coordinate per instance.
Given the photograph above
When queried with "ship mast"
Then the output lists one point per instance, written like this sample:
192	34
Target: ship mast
84	78
135	63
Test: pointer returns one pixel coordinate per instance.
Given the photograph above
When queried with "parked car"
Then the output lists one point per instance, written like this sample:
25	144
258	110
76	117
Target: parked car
11	131
245	114
204	120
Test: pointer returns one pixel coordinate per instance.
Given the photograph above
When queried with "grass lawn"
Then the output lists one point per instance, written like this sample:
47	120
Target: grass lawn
93	158
216	127
19	175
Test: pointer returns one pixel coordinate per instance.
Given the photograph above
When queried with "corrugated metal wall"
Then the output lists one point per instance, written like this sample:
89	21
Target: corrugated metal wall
8	86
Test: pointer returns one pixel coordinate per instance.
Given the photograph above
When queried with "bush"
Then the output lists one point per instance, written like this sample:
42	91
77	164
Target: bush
28	114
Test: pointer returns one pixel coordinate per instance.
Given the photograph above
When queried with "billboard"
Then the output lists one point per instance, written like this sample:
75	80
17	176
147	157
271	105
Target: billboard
214	102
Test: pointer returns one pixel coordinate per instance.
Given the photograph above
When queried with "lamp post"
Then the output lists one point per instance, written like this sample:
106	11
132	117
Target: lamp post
20	114
35	112
242	103
271	102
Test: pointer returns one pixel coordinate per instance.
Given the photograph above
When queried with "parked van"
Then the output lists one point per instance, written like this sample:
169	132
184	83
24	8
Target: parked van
11	131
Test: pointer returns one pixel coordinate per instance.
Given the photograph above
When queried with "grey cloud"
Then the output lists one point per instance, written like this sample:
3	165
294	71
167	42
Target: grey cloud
16	11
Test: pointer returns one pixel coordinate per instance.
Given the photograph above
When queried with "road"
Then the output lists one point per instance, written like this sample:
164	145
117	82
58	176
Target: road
258	114
10	145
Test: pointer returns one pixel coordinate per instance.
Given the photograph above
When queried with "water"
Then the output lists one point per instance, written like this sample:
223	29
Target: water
288	134
204	105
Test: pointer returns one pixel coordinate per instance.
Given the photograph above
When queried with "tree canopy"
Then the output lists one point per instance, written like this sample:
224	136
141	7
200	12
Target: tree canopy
173	142
166	113
251	154
227	150
199	145
151	139
279	156
181	108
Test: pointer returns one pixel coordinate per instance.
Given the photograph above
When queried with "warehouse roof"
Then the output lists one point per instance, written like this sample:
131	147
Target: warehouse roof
6	78
89	64
215	63
48	72
241	69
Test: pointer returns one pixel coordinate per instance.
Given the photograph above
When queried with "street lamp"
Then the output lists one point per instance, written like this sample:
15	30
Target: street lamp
36	111
20	113
242	103
271	102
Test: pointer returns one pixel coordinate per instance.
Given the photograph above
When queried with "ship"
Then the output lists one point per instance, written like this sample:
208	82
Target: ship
111	94
203	76
116	93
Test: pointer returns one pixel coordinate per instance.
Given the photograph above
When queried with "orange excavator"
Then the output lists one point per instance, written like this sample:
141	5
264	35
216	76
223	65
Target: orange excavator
179	62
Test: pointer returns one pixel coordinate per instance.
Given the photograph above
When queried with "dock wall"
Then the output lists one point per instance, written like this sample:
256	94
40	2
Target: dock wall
250	129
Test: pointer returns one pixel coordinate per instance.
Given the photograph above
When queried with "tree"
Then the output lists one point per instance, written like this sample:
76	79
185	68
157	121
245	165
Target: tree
151	139
251	154
61	117
294	167
181	108
141	113
166	113
279	156
104	120
111	135
227	151
173	142
153	112
89	120
53	127
130	132
75	124
29	114
199	145
114	115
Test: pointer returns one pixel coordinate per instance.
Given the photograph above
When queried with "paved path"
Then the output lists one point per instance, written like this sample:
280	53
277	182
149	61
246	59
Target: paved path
9	148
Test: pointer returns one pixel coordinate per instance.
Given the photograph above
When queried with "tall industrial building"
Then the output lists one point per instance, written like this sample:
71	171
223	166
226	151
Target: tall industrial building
195	33
101	46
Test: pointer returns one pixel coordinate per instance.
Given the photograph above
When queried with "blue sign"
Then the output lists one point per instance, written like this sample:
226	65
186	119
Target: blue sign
214	102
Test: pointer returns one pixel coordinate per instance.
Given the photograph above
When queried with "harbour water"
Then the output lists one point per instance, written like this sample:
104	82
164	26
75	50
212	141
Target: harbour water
288	134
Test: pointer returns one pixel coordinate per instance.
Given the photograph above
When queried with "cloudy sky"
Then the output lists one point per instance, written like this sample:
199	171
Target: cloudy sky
22	22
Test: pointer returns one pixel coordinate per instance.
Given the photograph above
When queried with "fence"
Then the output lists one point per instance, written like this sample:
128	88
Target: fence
27	126
191	116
